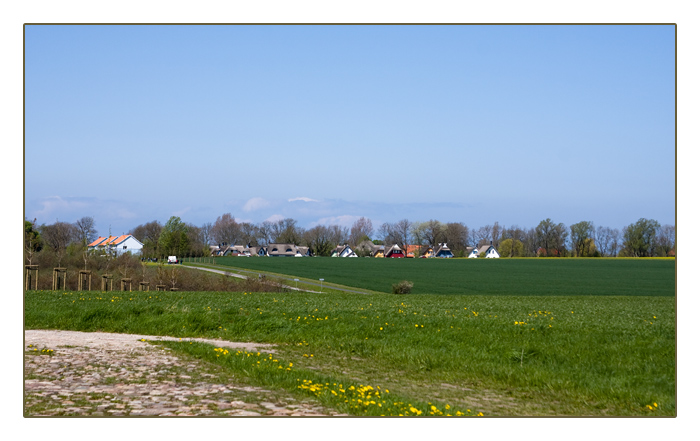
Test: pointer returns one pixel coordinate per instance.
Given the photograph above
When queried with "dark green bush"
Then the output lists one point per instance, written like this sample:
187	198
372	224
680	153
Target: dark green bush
403	287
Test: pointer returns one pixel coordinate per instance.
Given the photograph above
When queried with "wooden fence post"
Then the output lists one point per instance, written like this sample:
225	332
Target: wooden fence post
126	282
85	276
105	278
59	274
29	269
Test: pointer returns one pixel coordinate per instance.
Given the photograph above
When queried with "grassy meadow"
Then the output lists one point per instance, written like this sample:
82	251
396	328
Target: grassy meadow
531	277
411	355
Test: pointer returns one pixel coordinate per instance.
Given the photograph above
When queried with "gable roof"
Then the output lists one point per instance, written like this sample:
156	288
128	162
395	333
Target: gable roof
280	249
394	249
121	239
98	241
113	240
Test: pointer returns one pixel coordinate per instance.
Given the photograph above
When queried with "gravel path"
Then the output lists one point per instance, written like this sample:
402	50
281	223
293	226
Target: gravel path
101	374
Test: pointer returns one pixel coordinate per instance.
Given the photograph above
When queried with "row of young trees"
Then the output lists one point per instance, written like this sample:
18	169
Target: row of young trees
643	238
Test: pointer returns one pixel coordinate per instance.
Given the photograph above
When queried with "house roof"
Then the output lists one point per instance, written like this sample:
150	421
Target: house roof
112	240
413	248
394	249
282	249
120	239
97	242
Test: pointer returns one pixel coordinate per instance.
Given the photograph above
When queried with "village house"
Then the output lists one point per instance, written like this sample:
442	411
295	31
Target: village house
367	247
394	252
413	250
287	250
489	252
426	252
125	243
343	251
443	251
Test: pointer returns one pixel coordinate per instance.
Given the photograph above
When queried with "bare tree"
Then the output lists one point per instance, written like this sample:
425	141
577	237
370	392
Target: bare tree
514	232
551	237
398	233
361	230
457	237
483	235
86	229
249	234
666	240
205	231
285	231
225	230
434	232
496	232
530	243
418	232
148	234
264	233
603	240
58	236
197	246
614	242
321	240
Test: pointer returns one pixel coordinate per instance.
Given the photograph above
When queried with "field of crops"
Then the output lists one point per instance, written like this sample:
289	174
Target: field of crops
541	277
426	354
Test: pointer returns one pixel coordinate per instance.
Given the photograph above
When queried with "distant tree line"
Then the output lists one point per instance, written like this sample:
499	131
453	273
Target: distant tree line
644	238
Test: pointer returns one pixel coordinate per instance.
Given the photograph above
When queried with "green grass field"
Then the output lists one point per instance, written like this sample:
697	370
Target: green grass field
540	277
500	355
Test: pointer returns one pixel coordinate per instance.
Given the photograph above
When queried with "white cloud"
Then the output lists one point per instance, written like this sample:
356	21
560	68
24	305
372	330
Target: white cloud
275	218
345	220
181	212
303	198
55	205
255	204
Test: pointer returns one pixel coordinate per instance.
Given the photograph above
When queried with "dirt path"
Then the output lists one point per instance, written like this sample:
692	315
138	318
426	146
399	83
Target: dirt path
101	374
289	279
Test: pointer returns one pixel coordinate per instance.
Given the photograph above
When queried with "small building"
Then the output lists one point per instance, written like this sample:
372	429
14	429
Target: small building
284	250
258	251
281	250
489	251
443	252
413	251
126	243
472	252
343	251
378	251
394	252
426	252
237	250
303	252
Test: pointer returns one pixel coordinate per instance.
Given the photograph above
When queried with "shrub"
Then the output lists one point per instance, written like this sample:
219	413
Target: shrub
403	287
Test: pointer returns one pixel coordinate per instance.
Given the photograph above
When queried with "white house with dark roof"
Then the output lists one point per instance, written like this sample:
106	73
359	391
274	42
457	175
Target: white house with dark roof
489	251
442	251
343	251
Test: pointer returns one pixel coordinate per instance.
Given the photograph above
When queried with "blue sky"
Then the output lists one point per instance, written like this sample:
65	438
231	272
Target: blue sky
325	124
